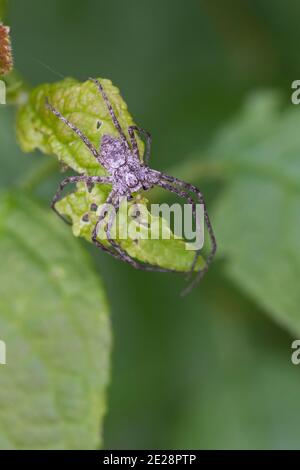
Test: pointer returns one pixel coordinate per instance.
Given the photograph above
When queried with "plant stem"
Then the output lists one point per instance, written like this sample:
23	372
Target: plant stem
16	89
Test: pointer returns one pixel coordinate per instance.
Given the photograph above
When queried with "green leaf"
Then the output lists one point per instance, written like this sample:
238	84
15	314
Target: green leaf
54	321
81	103
169	252
235	390
257	216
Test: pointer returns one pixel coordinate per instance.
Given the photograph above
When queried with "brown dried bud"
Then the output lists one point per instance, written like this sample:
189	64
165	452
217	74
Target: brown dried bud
6	60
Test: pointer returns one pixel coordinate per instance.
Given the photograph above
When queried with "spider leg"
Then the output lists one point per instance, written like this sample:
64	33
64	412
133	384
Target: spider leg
116	253
185	195
123	255
76	179
201	200
147	137
110	110
133	141
77	131
213	241
95	240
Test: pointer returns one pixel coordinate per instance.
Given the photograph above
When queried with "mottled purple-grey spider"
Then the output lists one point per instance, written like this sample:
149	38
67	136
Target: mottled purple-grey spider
127	175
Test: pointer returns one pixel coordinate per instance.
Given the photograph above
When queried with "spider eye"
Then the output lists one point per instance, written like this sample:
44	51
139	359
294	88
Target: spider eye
98	125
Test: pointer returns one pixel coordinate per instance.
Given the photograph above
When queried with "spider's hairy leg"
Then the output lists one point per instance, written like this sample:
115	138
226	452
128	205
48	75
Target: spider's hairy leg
96	228
76	179
193	189
116	253
133	141
122	253
110	109
190	200
75	129
147	137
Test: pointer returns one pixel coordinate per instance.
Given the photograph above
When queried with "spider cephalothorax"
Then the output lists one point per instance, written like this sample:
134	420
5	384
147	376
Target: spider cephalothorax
128	174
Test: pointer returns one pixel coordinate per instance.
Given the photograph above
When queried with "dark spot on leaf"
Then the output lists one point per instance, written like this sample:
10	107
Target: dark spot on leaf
94	207
89	186
136	214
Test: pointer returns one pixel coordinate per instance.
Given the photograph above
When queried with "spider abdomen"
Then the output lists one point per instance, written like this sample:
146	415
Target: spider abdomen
127	179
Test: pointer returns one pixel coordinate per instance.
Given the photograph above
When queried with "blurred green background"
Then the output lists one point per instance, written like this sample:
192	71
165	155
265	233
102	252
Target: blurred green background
210	370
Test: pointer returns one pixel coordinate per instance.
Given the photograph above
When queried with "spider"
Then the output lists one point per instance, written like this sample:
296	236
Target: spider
127	175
